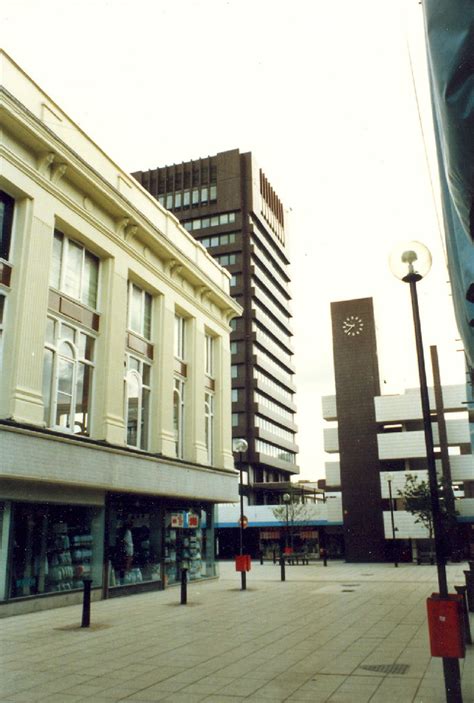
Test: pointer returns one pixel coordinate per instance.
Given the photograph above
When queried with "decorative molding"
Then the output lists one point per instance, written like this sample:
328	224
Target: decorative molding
88	204
174	267
204	293
121	225
44	161
57	172
130	232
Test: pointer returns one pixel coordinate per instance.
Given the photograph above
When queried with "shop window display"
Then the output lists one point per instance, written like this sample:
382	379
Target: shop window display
183	545
54	548
136	549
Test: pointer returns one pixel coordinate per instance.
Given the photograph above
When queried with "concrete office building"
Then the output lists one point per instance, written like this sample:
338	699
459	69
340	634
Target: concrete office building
115	388
230	207
380	438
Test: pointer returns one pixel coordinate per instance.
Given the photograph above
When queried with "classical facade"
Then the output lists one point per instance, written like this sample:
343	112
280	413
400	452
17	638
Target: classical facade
115	385
227	203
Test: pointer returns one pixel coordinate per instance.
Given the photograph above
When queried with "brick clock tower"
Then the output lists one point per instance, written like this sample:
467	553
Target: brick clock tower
357	383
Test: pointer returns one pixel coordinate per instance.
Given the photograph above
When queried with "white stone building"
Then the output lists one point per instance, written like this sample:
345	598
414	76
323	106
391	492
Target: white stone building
115	390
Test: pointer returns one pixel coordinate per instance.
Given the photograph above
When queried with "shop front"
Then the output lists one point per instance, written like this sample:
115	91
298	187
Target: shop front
48	545
125	543
151	539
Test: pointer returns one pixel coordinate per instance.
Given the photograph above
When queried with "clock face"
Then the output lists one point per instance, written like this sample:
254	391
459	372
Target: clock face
353	326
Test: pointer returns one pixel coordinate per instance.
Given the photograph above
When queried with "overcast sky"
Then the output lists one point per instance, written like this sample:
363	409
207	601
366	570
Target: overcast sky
324	95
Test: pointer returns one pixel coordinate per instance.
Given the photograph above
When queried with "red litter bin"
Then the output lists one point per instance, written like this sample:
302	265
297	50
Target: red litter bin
243	562
445	624
288	550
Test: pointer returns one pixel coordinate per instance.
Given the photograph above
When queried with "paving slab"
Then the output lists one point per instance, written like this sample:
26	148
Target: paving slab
342	634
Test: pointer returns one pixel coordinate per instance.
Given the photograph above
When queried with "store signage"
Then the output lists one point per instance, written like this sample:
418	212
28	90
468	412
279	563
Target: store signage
183	520
177	520
193	520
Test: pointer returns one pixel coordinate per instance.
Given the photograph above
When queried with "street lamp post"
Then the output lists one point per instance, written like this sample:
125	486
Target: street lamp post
389	481
240	446
410	262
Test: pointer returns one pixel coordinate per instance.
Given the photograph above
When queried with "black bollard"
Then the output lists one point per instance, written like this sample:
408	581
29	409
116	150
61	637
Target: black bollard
184	586
282	568
461	590
274	557
261	558
86	602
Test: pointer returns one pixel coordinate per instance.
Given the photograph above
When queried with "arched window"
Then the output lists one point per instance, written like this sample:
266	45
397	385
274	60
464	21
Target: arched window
67	377
209	425
137	402
178	416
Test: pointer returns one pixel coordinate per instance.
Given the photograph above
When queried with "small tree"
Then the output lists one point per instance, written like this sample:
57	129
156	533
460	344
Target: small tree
417	497
292	513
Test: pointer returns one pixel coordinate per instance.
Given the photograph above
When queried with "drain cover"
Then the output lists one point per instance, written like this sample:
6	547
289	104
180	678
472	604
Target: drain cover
387	668
347	590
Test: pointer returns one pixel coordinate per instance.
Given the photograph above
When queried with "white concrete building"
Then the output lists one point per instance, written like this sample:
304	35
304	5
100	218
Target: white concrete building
115	389
402	451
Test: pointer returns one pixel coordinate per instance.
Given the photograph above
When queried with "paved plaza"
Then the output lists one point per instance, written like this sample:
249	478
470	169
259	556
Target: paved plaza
344	634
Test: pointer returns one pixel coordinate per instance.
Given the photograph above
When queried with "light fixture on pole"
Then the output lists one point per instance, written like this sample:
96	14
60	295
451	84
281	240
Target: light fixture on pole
286	497
410	262
240	446
390	497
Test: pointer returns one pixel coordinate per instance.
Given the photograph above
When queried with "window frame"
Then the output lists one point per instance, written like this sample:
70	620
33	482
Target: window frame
209	415
143	438
209	355
7	225
179	388
145	329
179	341
77	359
65	244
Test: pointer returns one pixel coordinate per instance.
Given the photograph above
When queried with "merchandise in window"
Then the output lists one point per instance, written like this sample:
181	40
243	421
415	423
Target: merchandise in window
135	547
6	220
74	270
54	548
67	377
137	402
183	545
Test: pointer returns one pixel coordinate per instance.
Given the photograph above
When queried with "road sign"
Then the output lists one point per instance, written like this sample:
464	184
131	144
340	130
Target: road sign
243	521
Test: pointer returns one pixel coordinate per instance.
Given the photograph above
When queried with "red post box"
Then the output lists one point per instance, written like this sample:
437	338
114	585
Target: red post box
445	626
288	550
243	562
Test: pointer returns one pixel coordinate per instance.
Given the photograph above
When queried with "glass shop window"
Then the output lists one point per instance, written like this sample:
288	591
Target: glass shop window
54	548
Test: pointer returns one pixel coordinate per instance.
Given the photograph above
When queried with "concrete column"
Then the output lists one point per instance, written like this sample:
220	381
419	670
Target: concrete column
164	372
223	405
199	448
27	308
108	400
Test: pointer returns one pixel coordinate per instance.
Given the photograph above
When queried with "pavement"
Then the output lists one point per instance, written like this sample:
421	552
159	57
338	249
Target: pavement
343	634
